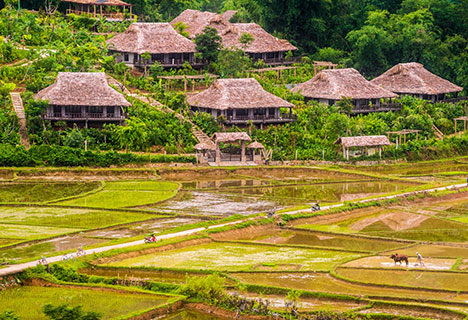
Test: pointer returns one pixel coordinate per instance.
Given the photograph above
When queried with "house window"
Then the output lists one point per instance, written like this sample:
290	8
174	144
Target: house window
126	59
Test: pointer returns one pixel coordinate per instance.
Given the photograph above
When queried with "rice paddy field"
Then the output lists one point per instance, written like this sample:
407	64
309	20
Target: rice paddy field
111	304
338	262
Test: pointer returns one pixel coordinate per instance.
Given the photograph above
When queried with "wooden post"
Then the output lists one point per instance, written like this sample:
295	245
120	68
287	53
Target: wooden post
294	72
185	84
243	151
464	122
399	136
347	154
417	135
404	137
380	152
344	152
94	10
130	12
218	153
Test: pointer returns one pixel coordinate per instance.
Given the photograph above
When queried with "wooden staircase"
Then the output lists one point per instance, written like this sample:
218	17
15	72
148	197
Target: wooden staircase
19	109
437	132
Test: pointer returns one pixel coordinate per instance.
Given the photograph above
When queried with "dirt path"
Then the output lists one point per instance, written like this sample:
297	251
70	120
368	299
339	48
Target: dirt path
20	267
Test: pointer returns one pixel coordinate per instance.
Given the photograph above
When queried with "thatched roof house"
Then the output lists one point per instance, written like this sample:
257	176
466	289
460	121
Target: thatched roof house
165	45
231	137
329	86
83	96
104	8
264	46
240	101
197	21
413	79
369	143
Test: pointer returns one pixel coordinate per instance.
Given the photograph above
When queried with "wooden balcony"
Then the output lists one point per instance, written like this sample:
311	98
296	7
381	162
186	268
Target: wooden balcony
262	119
172	63
452	100
365	108
84	117
111	16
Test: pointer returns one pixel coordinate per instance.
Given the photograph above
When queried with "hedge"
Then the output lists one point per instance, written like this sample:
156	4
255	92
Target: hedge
45	155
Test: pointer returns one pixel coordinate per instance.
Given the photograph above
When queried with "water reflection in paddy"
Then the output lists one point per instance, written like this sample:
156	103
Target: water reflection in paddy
227	197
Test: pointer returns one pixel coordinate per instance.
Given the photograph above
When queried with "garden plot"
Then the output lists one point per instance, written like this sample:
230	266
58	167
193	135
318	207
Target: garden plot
323	282
455	281
121	194
21	232
234	257
39	192
191	315
110	304
387	262
326	240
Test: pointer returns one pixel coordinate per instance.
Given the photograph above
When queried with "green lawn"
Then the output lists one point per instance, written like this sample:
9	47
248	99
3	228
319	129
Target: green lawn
43	191
27	301
127	194
69	218
235	257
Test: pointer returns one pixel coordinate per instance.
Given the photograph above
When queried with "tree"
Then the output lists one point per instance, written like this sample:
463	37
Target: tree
208	44
232	63
246	39
74	139
180	28
64	312
8	315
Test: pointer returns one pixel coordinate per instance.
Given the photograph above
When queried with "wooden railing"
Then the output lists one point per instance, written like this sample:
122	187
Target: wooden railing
80	116
364	108
286	117
108	15
453	100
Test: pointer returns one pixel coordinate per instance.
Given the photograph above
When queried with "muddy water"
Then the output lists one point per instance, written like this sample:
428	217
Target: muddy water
190	315
323	282
228	197
417	169
326	240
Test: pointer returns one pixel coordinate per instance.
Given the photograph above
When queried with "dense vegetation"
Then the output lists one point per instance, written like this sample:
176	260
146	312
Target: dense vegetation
369	35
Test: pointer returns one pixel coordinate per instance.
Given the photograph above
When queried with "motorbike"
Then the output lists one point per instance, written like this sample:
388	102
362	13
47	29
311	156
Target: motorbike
315	207
271	214
151	239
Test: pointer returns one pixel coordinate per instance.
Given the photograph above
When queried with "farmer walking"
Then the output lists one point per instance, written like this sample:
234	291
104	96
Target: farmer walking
420	259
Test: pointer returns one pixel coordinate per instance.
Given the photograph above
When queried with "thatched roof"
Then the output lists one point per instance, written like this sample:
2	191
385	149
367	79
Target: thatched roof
196	21
263	41
363	141
231	137
226	94
413	78
255	145
151	37
203	146
101	2
336	84
82	89
228	14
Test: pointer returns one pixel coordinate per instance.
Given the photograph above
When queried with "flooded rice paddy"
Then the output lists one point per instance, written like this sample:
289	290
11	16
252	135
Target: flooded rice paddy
234	257
387	262
190	315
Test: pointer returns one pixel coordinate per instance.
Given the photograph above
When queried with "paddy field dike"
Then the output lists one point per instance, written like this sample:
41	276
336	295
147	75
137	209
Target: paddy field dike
218	255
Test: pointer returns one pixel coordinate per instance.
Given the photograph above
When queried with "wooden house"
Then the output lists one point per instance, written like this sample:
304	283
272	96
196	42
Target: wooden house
83	98
240	101
331	85
414	80
263	47
113	10
165	45
362	145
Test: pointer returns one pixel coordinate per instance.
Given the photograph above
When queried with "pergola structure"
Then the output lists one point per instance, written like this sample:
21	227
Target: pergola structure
464	119
366	143
231	137
189	77
279	70
403	133
201	151
318	65
256	146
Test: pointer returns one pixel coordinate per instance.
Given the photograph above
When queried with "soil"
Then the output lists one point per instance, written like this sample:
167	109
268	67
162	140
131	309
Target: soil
396	221
222	313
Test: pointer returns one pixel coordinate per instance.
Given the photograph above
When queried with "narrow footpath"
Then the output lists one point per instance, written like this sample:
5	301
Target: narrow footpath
19	109
20	267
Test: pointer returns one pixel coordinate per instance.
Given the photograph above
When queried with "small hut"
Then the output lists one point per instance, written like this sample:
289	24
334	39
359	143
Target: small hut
264	46
367	145
414	80
332	85
240	101
202	151
165	46
254	146
113	10
234	138
82	98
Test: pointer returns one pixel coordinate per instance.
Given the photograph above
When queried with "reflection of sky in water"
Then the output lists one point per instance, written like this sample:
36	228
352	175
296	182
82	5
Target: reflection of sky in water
228	197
